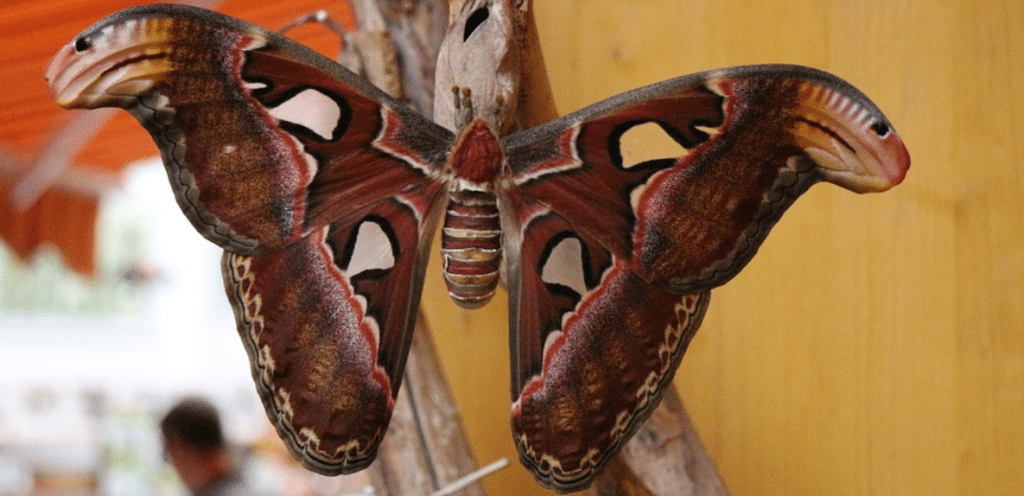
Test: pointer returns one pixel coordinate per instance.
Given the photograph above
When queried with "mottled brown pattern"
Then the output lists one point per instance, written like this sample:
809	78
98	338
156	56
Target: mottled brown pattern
256	189
315	370
721	192
602	377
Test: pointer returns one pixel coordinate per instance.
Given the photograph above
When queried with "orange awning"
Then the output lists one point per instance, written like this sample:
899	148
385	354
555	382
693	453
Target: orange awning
63	213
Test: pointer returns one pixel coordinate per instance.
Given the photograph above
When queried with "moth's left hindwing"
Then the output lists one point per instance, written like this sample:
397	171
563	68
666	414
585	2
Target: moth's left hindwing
593	345
323	191
327	330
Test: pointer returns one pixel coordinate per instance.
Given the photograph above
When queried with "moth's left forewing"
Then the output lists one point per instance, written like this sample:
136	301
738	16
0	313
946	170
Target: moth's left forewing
748	141
785	128
373	148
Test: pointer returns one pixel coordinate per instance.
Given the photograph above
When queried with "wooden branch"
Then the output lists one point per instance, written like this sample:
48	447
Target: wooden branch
425	449
536	103
664	458
403	465
413	32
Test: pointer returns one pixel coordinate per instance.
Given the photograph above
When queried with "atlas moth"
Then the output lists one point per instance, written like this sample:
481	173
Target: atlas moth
327	223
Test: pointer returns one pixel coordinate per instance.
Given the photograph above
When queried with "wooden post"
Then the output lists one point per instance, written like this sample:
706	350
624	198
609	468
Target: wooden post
425	449
664	458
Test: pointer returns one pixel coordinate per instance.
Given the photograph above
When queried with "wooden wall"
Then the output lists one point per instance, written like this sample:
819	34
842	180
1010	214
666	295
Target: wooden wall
876	343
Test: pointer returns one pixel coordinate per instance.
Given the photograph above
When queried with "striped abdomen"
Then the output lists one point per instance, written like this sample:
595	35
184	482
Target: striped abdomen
471	247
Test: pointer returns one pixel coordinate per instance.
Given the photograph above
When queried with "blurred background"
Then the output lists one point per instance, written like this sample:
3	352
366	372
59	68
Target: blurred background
874	346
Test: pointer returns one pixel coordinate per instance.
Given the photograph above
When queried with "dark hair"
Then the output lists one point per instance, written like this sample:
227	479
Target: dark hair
195	423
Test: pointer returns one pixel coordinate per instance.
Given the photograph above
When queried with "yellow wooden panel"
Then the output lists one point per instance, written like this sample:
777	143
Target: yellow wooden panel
875	345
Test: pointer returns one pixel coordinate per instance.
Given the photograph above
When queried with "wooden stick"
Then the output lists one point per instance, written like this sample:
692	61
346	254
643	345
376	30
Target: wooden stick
664	458
425	449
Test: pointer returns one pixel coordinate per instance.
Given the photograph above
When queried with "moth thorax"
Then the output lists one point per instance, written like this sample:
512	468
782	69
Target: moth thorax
471	247
477	155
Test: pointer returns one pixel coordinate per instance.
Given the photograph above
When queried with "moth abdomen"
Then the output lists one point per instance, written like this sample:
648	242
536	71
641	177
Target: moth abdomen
471	247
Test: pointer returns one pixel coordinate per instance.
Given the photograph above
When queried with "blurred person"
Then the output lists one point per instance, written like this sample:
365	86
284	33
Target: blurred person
194	443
